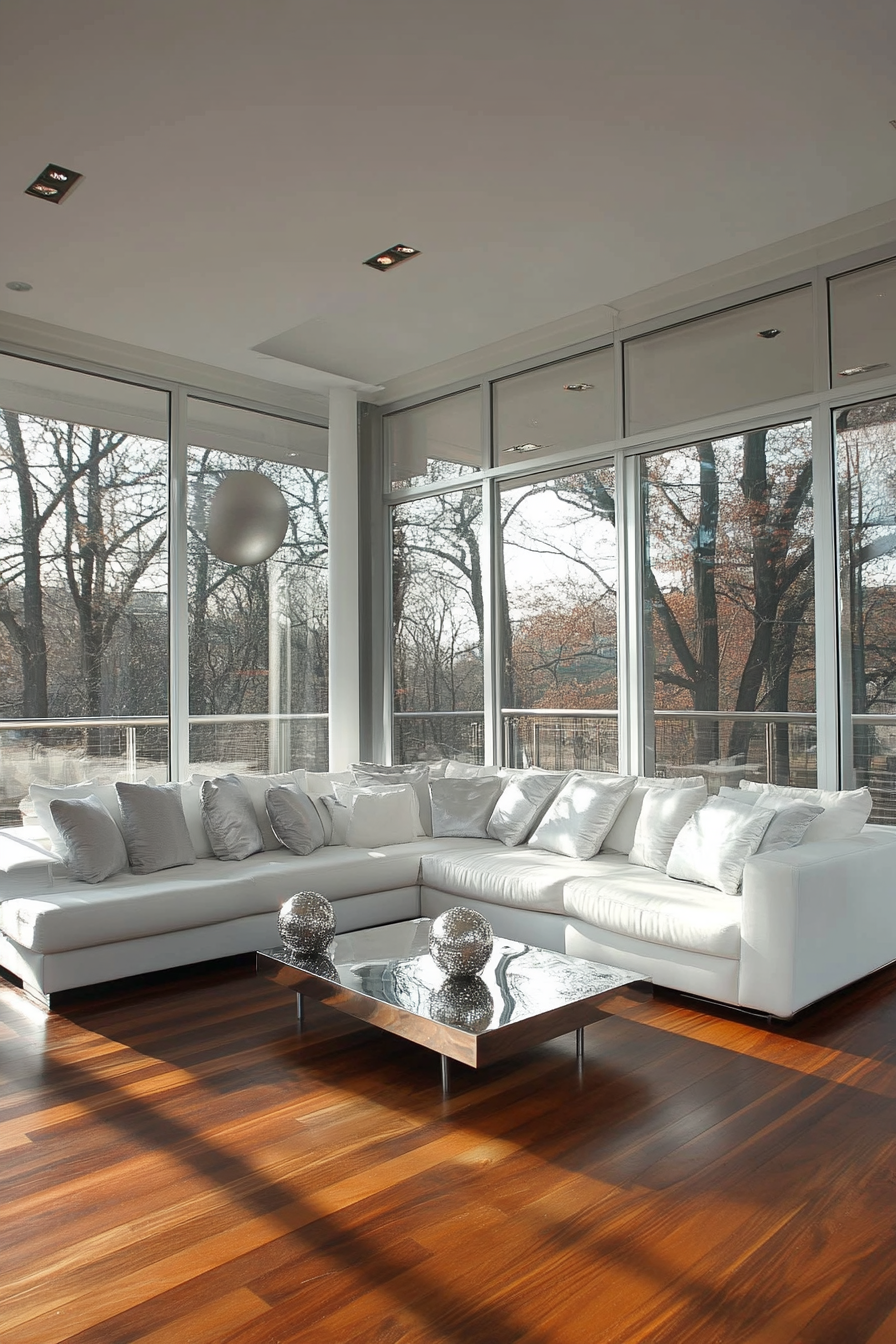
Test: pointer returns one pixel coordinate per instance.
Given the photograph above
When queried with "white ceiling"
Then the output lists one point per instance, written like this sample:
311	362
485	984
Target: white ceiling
241	158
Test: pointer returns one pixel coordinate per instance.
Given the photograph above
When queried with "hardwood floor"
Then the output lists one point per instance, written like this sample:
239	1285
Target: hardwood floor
178	1165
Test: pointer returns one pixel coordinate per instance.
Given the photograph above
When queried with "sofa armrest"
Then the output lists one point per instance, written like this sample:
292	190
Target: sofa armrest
816	918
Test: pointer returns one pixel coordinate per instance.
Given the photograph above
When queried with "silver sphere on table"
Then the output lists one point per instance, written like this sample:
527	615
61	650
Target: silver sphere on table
462	1001
460	941
307	923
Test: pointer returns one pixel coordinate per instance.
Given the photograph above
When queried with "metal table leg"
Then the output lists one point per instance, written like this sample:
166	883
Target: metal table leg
300	1010
580	1042
446	1075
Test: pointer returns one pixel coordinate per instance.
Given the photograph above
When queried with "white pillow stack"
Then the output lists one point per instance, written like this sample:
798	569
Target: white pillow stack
664	813
713	847
845	811
581	815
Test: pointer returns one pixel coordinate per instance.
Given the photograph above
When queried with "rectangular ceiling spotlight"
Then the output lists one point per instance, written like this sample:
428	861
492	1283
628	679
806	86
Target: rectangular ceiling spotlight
53	183
393	256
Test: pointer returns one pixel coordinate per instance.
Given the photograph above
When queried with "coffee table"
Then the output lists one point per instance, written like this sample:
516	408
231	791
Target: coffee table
385	976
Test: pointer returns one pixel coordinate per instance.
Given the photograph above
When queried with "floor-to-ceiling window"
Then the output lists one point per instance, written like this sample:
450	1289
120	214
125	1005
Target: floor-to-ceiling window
258	632
83	579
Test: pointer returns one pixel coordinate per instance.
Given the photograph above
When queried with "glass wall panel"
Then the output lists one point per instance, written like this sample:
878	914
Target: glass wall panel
83	580
558	622
740	357
258	632
562	406
438	613
729	608
863	323
435	442
866	457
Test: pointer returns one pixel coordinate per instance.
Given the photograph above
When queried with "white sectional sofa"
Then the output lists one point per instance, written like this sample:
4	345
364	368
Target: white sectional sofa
808	920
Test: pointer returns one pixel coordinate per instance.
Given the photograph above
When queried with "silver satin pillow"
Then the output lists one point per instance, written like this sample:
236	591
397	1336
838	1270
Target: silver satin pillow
520	806
715	844
94	845
294	819
229	818
789	824
393	776
155	829
581	815
462	807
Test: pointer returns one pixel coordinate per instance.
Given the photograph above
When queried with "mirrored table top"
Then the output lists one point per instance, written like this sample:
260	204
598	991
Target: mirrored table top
391	965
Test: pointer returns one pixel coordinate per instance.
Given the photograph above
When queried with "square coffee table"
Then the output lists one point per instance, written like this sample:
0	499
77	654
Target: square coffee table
385	976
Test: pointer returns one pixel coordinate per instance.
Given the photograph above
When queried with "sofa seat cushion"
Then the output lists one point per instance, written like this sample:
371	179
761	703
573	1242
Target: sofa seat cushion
73	915
530	879
642	903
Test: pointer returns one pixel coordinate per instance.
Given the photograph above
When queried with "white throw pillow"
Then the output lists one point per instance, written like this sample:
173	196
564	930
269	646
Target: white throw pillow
788	825
191	801
524	800
462	807
320	782
395	775
621	835
347	793
42	795
461	770
845	810
339	816
581	815
714	845
663	814
379	817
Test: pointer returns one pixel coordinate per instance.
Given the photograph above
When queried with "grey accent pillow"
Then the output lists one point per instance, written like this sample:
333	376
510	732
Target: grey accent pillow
229	818
155	829
257	786
714	845
523	802
462	807
94	845
581	815
789	824
396	775
294	819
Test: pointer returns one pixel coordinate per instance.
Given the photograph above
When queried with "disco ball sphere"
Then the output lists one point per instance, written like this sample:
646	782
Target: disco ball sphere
307	923
247	518
460	941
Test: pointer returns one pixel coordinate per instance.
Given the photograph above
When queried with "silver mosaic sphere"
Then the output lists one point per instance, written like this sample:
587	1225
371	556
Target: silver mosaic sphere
462	1001
307	923
310	961
460	941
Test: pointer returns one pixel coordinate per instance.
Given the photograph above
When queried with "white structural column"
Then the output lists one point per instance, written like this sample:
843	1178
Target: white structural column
344	639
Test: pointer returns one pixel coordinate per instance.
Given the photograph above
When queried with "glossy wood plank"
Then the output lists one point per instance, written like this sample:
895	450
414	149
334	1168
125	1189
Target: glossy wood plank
181	1164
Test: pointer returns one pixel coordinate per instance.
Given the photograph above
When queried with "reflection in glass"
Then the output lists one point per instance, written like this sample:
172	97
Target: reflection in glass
438	616
740	357
863	324
559	618
866	457
258	634
729	606
566	405
435	442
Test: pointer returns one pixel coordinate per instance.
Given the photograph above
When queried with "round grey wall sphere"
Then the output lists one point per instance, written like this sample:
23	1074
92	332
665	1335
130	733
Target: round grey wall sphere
307	923
247	518
460	941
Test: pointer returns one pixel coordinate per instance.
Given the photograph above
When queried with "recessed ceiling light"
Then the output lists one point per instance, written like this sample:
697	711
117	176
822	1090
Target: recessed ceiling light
577	387
862	368
392	256
769	333
19	286
526	448
53	183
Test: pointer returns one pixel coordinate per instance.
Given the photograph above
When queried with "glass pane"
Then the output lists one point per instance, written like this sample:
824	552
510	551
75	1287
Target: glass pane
84	591
866	457
258	632
567	405
559	620
438	614
863	323
729	608
740	357
435	442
